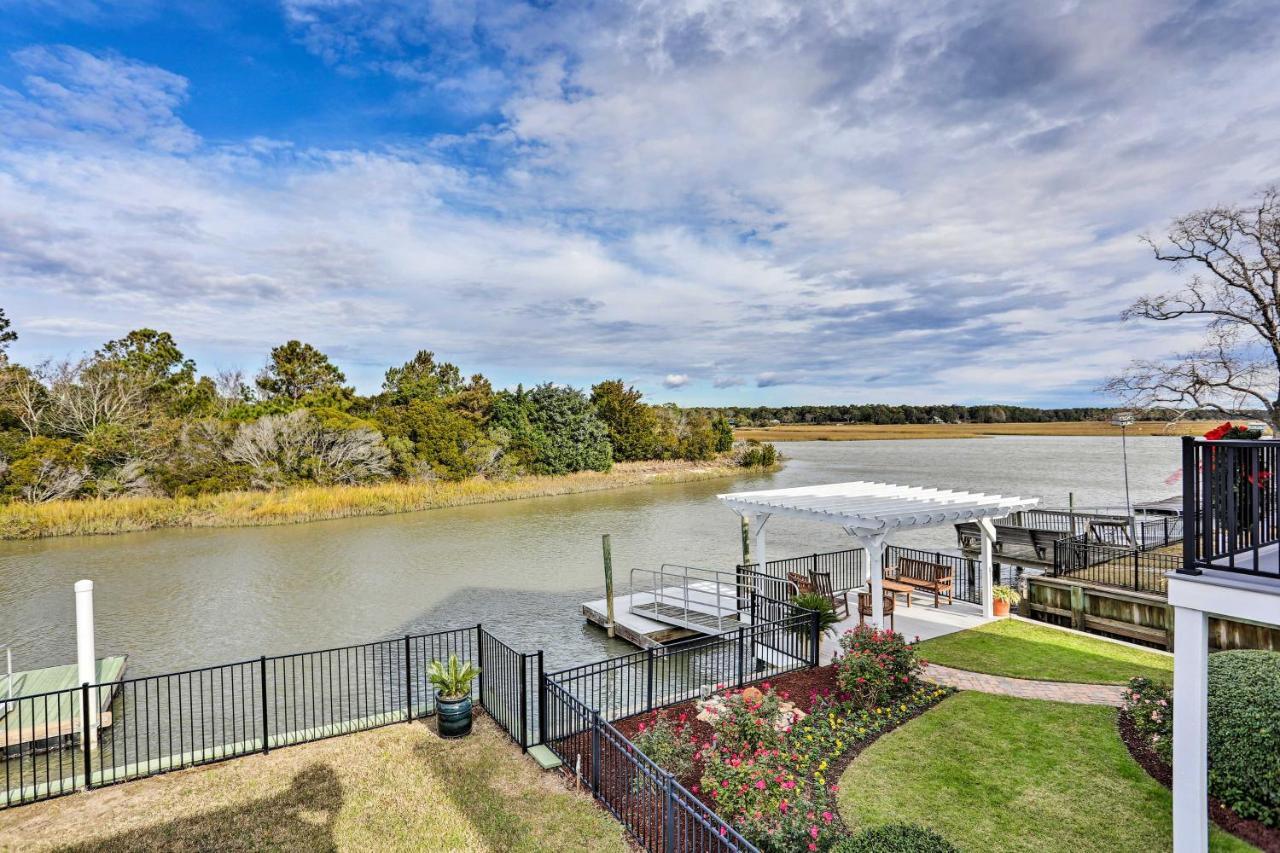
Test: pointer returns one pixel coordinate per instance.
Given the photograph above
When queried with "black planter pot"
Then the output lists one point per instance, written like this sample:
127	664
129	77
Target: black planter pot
453	716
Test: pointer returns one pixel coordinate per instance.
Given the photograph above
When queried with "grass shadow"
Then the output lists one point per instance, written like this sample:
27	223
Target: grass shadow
300	818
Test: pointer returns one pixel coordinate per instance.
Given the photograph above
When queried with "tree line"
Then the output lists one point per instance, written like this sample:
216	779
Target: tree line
136	417
886	414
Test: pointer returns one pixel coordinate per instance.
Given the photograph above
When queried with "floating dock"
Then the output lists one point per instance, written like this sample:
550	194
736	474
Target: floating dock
45	704
634	628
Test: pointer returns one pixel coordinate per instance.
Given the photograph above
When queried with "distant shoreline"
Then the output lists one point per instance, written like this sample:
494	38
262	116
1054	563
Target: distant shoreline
874	432
97	516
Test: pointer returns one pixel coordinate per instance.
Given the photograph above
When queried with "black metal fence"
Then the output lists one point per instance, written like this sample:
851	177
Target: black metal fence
1230	490
658	812
656	677
848	568
1111	565
158	723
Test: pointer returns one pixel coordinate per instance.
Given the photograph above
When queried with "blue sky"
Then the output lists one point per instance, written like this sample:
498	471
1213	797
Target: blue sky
718	201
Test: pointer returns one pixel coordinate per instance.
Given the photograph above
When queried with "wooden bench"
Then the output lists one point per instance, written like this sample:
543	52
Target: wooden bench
930	577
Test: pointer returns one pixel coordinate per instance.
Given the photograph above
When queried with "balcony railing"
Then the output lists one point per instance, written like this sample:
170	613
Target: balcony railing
1231	505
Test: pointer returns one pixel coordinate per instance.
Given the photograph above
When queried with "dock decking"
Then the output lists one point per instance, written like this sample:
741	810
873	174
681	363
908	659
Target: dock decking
45	704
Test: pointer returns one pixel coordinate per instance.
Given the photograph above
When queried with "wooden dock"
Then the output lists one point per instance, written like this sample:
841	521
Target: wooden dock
638	630
46	704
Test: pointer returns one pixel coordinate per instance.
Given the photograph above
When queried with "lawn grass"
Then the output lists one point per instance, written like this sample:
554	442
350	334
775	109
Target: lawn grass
93	516
396	788
1003	774
1022	649
880	432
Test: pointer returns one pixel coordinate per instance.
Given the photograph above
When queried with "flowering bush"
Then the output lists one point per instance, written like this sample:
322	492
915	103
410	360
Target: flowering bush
748	720
877	667
1150	705
667	743
834	726
771	805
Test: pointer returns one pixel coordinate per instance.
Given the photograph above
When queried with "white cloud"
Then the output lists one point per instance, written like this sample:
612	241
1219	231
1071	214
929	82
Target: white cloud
876	202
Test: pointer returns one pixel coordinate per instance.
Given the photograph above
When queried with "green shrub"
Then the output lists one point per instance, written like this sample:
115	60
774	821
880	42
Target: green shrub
895	838
877	667
1244	733
667	743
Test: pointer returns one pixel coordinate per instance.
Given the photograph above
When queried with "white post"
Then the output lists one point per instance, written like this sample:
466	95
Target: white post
986	565
87	658
1190	730
874	546
759	547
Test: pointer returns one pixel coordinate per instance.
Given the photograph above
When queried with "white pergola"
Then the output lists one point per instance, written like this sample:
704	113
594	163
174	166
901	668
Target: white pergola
871	511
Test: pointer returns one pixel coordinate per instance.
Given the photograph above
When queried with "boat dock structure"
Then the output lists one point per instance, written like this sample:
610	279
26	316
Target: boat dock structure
28	724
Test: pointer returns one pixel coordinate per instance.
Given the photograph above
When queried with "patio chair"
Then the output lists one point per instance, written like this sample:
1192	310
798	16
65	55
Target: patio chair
864	607
802	582
823	586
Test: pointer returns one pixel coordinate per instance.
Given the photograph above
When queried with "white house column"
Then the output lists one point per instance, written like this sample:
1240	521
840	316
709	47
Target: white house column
86	658
874	548
986	565
1190	730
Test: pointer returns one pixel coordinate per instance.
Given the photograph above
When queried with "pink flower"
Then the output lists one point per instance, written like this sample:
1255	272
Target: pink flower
813	832
788	784
760	784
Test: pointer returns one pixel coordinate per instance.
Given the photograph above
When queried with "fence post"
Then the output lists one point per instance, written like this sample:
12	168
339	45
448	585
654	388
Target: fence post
648	704
542	701
595	753
1136	554
262	684
523	693
544	716
408	681
814	638
742	664
85	727
668	817
480	661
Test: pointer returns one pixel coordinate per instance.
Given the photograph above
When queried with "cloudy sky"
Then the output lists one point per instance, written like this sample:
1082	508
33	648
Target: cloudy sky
717	201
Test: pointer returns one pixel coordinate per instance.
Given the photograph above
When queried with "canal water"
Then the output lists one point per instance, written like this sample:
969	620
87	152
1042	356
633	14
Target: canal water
183	598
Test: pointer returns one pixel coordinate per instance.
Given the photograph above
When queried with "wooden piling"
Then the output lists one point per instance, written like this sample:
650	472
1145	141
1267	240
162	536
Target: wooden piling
608	580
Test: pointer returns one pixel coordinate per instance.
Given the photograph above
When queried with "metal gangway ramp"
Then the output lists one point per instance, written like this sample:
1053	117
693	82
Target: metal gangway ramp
709	601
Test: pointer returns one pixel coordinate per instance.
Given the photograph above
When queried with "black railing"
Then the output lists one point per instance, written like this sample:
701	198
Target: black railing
1229	494
654	808
1111	565
656	677
848	568
158	723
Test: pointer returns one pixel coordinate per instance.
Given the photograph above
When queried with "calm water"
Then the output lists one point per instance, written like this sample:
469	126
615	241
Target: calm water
176	599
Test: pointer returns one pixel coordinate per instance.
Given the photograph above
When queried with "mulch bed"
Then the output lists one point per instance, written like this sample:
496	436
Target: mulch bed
1263	837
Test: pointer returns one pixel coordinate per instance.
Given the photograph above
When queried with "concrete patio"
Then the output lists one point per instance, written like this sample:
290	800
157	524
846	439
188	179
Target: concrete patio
921	620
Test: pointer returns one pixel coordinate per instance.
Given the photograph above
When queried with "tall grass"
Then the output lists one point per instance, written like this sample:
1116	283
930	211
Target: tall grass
314	503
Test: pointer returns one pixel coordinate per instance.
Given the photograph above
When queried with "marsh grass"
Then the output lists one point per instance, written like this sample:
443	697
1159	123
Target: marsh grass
874	432
98	516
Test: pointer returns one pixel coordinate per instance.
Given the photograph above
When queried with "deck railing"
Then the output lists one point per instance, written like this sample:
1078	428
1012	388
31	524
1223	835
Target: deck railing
157	723
1116	566
1232	506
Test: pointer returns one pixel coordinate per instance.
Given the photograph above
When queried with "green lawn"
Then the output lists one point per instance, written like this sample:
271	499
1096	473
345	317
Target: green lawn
1022	649
395	788
999	773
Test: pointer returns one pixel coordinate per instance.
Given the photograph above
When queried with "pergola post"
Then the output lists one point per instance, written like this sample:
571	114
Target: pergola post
988	531
873	545
755	524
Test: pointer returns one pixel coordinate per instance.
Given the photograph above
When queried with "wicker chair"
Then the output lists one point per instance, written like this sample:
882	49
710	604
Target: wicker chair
864	607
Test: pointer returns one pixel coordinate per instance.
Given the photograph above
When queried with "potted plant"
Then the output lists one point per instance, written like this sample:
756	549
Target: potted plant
452	682
1004	597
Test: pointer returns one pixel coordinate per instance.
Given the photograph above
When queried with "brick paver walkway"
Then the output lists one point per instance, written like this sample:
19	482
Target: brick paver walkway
1057	691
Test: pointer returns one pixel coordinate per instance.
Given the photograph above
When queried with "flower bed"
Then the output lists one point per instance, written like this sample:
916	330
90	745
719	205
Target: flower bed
763	756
